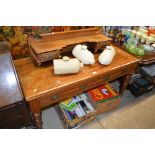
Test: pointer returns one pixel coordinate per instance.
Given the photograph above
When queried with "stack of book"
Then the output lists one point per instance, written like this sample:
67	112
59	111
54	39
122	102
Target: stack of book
77	115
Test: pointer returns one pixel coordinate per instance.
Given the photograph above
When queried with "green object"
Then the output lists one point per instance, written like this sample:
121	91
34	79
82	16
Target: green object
141	51
68	104
130	47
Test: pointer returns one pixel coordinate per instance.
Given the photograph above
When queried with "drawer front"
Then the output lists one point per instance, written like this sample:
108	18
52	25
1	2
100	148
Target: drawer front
57	96
70	91
82	87
119	73
49	56
115	74
12	123
8	112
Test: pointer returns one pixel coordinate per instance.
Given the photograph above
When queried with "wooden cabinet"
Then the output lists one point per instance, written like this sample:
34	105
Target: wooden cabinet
13	110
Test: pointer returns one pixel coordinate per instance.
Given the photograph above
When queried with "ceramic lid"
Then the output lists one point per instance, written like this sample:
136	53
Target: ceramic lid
65	58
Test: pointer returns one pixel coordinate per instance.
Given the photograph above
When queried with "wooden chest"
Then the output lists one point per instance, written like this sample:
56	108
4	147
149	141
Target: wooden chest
13	110
53	45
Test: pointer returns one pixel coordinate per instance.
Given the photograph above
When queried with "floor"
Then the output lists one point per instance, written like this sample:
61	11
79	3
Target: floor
133	113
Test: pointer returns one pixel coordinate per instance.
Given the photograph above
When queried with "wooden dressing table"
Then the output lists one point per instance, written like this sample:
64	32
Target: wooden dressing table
42	88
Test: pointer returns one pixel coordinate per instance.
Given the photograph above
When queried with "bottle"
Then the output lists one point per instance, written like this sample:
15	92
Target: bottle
133	33
138	37
67	65
143	38
107	55
107	30
150	40
83	54
128	34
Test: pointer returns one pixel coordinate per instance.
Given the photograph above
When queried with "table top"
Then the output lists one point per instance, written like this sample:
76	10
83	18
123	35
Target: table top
9	87
38	80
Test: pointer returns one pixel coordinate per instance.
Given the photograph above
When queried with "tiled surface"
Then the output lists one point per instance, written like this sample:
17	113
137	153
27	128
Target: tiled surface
51	119
93	125
133	112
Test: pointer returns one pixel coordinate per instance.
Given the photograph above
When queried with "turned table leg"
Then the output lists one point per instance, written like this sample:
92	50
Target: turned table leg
36	112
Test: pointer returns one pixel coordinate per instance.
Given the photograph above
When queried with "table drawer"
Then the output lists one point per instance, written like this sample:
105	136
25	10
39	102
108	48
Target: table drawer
8	112
49	56
57	96
70	91
115	74
83	86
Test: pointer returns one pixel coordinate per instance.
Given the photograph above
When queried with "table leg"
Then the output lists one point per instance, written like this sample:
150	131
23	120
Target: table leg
125	80
123	83
36	112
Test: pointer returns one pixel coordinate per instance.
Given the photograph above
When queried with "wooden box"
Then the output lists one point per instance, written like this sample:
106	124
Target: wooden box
75	123
53	45
104	98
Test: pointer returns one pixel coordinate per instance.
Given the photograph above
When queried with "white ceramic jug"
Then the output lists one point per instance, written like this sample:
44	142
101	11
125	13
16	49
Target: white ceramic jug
83	54
107	55
67	65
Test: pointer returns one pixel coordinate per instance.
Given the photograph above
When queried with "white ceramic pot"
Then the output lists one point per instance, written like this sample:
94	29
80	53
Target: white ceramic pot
67	65
107	55
83	54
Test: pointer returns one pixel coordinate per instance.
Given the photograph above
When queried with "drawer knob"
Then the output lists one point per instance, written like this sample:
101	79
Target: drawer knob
55	97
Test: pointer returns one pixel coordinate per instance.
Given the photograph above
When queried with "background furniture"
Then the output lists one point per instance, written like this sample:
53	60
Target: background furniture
13	110
42	88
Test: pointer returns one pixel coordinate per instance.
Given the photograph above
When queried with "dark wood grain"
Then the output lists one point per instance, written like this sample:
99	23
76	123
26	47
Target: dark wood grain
9	89
13	109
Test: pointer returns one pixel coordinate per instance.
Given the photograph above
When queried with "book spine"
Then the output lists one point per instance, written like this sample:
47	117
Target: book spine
67	114
71	115
74	113
83	112
78	112
89	106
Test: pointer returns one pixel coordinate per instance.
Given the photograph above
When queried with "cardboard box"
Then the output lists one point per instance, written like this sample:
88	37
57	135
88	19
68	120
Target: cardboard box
104	98
74	123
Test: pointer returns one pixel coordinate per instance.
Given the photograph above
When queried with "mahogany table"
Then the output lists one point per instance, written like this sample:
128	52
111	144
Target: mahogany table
42	88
